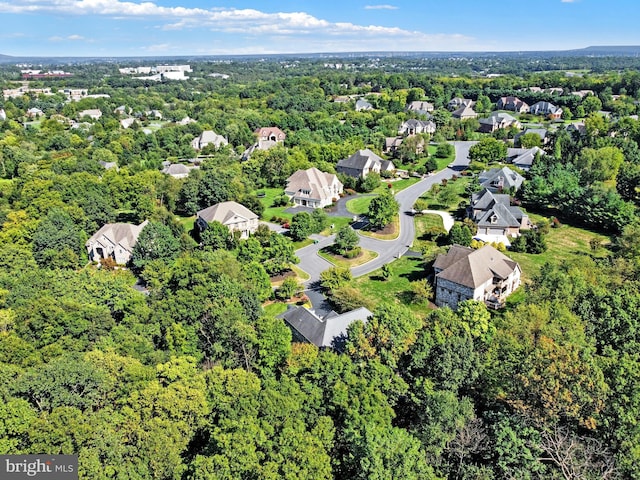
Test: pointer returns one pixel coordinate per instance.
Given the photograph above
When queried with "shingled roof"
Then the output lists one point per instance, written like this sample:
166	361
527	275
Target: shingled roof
473	268
225	211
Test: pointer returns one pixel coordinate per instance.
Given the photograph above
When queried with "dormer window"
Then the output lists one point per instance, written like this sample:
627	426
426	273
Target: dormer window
494	218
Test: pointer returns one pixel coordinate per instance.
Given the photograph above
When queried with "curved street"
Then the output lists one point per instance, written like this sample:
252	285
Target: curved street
387	250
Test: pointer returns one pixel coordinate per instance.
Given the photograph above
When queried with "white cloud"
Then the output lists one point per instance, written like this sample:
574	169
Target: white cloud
68	37
277	32
385	7
568	1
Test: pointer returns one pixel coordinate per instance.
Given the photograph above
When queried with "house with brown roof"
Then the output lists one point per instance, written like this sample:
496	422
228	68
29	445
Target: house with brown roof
114	240
313	188
232	215
513	104
457	102
414	126
267	137
485	275
464	113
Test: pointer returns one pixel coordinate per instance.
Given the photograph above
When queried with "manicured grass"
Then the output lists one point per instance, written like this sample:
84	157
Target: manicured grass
187	222
425	223
301	275
565	245
339	261
302	243
459	186
359	205
397	288
401	184
269	210
338	223
274	309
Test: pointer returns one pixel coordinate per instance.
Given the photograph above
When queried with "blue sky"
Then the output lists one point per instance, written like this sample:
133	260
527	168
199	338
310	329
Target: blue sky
200	27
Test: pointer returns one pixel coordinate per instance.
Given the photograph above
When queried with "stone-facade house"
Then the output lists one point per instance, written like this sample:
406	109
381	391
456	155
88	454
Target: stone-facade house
313	188
513	104
485	275
363	162
329	331
115	241
232	215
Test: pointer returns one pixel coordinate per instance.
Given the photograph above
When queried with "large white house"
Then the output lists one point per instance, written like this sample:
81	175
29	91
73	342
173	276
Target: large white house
313	188
232	215
114	240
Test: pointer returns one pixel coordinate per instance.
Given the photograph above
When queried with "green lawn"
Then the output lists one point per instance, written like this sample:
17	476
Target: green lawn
269	210
565	245
459	187
338	223
425	223
275	308
397	288
359	205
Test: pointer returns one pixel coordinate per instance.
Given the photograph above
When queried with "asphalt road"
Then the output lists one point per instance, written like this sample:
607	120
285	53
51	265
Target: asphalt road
387	250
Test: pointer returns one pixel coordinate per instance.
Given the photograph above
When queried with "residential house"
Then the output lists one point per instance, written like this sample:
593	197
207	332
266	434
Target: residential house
498	180
513	104
413	126
420	107
232	215
485	275
186	121
523	158
457	102
496	218
464	113
391	144
361	163
577	128
122	110
3	115
362	104
582	93
267	137
115	241
329	331
127	122
541	132
496	121
208	137
313	188
546	109
92	113
178	170
34	113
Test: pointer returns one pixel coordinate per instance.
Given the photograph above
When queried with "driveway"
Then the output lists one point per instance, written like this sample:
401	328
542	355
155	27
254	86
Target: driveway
462	154
387	250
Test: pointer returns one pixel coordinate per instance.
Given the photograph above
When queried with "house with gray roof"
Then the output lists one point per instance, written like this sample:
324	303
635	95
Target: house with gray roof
421	108
497	180
496	121
363	162
546	109
178	170
267	137
457	102
115	241
523	158
92	113
232	215
362	104
513	104
540	132
208	137
496	218
329	331
414	126
577	128
485	275
313	188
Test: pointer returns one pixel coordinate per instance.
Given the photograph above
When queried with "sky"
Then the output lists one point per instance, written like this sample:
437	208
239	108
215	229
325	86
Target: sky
121	28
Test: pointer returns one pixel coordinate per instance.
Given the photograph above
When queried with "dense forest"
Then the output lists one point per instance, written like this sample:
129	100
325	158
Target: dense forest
173	368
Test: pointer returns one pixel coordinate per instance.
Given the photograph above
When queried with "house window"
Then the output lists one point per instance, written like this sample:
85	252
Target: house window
494	219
